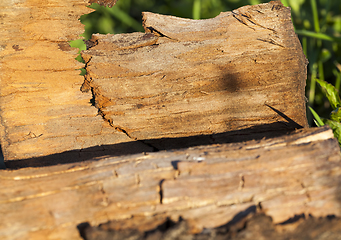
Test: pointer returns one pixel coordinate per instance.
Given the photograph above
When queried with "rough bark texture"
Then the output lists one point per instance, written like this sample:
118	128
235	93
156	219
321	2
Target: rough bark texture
185	77
235	77
238	76
250	227
107	3
208	186
42	109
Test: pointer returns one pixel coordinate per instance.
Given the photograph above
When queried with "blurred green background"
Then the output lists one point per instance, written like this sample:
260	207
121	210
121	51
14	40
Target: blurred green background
317	23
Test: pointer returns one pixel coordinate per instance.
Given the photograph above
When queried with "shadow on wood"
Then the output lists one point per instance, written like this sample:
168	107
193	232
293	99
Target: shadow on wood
154	145
252	225
206	185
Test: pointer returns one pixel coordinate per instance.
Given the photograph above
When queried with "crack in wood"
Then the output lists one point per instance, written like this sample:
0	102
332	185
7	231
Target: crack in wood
105	199
151	93
160	34
106	3
241	20
271	41
246	17
86	86
120	129
137	179
161	191
241	182
90	43
306	192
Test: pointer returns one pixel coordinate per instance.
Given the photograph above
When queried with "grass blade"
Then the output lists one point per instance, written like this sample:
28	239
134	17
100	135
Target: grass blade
196	12
321	36
315	16
125	18
331	93
318	121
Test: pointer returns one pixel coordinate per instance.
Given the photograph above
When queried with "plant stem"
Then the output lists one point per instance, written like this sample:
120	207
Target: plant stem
312	85
125	18
196	9
321	36
321	72
315	16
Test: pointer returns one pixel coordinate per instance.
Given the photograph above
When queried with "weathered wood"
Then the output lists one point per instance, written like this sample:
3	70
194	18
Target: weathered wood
243	70
207	186
107	3
42	109
185	77
251	226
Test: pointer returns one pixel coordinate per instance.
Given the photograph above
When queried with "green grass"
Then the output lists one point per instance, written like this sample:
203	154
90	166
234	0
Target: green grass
318	25
125	16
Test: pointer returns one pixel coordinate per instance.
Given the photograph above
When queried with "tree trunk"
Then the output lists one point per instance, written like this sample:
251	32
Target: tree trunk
242	69
208	186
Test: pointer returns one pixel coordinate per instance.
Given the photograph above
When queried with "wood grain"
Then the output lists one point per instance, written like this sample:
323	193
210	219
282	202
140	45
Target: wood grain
235	77
207	186
185	77
107	3
43	110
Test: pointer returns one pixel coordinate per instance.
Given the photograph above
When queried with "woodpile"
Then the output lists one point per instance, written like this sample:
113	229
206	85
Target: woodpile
199	120
206	79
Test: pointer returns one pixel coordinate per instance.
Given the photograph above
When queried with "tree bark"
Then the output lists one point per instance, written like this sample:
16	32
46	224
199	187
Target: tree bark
208	186
184	82
235	77
252	225
185	77
42	109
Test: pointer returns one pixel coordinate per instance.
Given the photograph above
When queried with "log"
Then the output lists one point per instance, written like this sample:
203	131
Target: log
207	186
238	76
251	226
185	77
183	83
42	109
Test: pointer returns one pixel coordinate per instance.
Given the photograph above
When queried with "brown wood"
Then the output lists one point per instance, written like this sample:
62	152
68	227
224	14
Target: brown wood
207	186
185	77
251	226
184	82
238	76
107	3
43	110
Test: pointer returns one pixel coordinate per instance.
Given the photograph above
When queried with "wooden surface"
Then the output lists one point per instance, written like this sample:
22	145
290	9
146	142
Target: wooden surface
208	186
252	225
42	109
185	77
249	80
